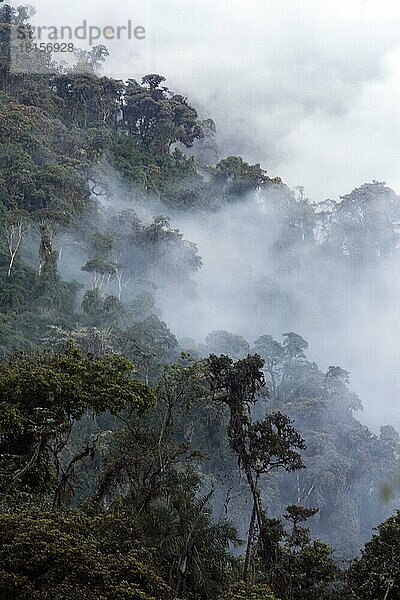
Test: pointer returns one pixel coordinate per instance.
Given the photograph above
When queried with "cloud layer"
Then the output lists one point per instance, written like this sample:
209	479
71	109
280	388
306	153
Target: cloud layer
310	89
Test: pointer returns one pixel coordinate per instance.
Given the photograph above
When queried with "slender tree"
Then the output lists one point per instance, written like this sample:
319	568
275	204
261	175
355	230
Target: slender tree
260	446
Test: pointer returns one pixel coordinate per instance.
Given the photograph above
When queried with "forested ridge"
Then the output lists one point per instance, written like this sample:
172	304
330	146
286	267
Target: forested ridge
136	464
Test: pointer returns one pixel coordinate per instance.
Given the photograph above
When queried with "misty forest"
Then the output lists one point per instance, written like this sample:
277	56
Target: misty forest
167	428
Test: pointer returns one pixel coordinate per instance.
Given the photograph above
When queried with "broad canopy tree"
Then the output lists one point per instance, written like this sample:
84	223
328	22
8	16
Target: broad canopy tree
156	117
41	395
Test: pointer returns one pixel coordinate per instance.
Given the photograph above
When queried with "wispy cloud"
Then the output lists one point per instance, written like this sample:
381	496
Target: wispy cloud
308	88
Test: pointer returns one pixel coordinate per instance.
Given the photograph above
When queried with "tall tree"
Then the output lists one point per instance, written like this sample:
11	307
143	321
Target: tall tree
260	446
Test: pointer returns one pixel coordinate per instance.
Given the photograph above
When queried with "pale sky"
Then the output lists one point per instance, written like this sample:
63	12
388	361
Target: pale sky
309	88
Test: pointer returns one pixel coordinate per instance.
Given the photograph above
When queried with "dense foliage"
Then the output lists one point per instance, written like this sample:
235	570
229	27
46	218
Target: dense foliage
135	465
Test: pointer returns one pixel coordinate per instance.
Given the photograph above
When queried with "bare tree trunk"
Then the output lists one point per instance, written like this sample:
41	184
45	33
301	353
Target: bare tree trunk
298	488
247	574
15	236
258	512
